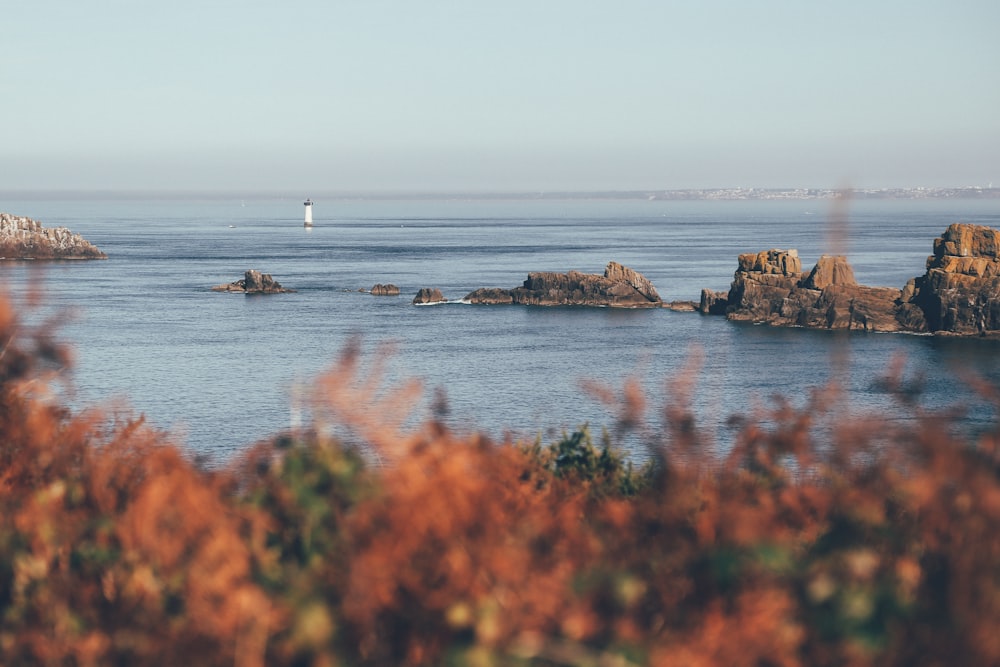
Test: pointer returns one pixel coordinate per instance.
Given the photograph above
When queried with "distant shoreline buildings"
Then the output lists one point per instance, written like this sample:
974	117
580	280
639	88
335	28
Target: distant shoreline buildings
738	194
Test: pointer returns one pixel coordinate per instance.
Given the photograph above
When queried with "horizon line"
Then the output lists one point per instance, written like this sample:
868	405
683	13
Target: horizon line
693	193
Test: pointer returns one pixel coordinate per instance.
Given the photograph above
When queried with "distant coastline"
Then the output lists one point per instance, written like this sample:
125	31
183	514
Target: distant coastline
681	194
768	194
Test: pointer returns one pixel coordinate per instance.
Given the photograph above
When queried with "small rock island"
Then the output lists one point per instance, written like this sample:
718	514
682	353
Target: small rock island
24	238
959	293
428	295
619	287
385	290
253	282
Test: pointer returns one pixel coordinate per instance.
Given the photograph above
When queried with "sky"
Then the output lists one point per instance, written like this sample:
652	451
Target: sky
514	96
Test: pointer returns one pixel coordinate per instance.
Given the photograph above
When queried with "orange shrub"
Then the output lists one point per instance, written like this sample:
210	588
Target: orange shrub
821	539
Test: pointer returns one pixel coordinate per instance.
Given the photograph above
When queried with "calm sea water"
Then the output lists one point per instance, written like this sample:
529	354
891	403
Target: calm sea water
219	370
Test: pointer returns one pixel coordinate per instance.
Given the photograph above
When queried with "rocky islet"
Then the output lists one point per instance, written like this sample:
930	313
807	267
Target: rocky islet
958	294
428	295
618	287
24	238
253	282
385	290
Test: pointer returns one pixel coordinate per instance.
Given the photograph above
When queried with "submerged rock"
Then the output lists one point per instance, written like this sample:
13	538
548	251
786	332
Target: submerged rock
681	306
619	287
253	282
24	238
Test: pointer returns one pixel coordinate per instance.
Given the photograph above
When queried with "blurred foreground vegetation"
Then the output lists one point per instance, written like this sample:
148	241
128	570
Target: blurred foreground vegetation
878	545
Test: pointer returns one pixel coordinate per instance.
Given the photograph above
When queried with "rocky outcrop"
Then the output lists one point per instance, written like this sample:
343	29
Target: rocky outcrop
253	282
770	288
24	238
830	270
713	303
617	273
619	287
427	295
960	292
490	296
761	284
385	290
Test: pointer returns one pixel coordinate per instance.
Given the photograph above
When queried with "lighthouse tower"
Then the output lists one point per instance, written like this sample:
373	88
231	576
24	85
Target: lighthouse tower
309	212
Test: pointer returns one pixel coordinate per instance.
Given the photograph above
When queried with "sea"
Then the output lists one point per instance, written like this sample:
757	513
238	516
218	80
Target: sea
221	371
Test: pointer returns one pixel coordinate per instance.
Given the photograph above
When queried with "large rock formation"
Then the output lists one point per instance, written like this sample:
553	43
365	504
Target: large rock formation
253	282
761	284
24	238
959	293
770	287
619	287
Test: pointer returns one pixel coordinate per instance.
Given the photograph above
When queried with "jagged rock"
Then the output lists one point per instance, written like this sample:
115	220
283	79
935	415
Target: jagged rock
960	292
253	282
429	295
619	287
24	238
830	270
615	272
781	262
713	303
769	287
385	290
762	282
492	296
967	240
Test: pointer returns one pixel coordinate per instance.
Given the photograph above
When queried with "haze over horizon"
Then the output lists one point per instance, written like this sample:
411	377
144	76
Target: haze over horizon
444	96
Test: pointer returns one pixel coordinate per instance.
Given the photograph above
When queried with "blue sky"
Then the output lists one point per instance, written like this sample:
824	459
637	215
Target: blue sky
372	95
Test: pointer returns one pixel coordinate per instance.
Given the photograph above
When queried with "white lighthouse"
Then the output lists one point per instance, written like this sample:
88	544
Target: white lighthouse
309	212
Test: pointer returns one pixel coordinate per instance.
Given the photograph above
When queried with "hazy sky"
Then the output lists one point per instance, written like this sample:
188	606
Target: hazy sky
434	95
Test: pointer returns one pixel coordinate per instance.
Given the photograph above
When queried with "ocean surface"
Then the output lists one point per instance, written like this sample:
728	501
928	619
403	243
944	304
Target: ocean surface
222	371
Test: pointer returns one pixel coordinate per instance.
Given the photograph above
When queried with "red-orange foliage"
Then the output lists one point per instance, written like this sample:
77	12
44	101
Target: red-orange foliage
873	544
